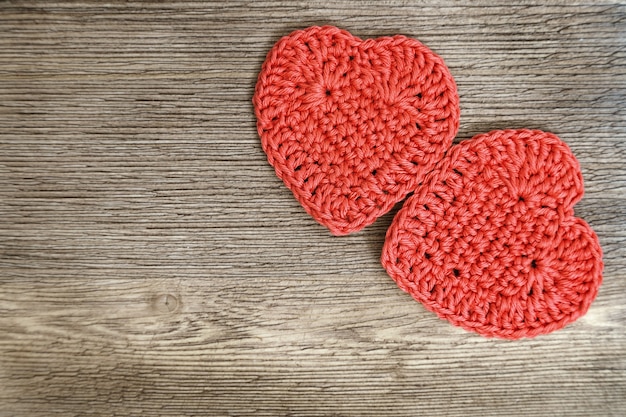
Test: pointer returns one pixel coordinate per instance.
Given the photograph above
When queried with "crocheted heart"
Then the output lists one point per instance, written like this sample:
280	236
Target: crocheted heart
352	126
490	241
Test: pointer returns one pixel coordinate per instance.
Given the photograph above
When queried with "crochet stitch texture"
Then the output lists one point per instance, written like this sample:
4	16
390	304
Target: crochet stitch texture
352	126
489	241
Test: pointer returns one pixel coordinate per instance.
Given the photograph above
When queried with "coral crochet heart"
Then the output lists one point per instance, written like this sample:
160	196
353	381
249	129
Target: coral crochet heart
490	241
352	126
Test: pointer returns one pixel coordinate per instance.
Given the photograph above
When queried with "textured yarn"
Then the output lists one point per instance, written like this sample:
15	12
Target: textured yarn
489	241
352	126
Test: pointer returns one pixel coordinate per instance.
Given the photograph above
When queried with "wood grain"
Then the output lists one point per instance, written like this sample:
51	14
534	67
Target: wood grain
151	263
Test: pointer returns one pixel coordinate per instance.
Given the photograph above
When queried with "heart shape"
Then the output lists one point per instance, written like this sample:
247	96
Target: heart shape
490	241
352	126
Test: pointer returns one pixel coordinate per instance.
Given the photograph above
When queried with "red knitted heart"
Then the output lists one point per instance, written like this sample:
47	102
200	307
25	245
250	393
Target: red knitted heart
352	126
490	241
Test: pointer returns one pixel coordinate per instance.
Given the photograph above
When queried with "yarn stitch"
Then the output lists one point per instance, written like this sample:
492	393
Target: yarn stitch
352	126
490	241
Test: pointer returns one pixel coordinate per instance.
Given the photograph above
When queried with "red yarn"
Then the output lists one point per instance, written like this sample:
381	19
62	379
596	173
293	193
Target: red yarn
352	126
490	241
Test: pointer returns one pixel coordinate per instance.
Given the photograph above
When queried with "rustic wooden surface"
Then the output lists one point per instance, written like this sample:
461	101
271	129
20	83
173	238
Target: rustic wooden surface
152	264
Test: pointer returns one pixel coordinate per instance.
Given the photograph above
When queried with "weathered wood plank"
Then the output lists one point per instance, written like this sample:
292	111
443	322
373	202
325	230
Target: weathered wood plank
152	263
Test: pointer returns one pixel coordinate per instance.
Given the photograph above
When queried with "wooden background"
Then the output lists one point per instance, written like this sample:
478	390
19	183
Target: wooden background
152	264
